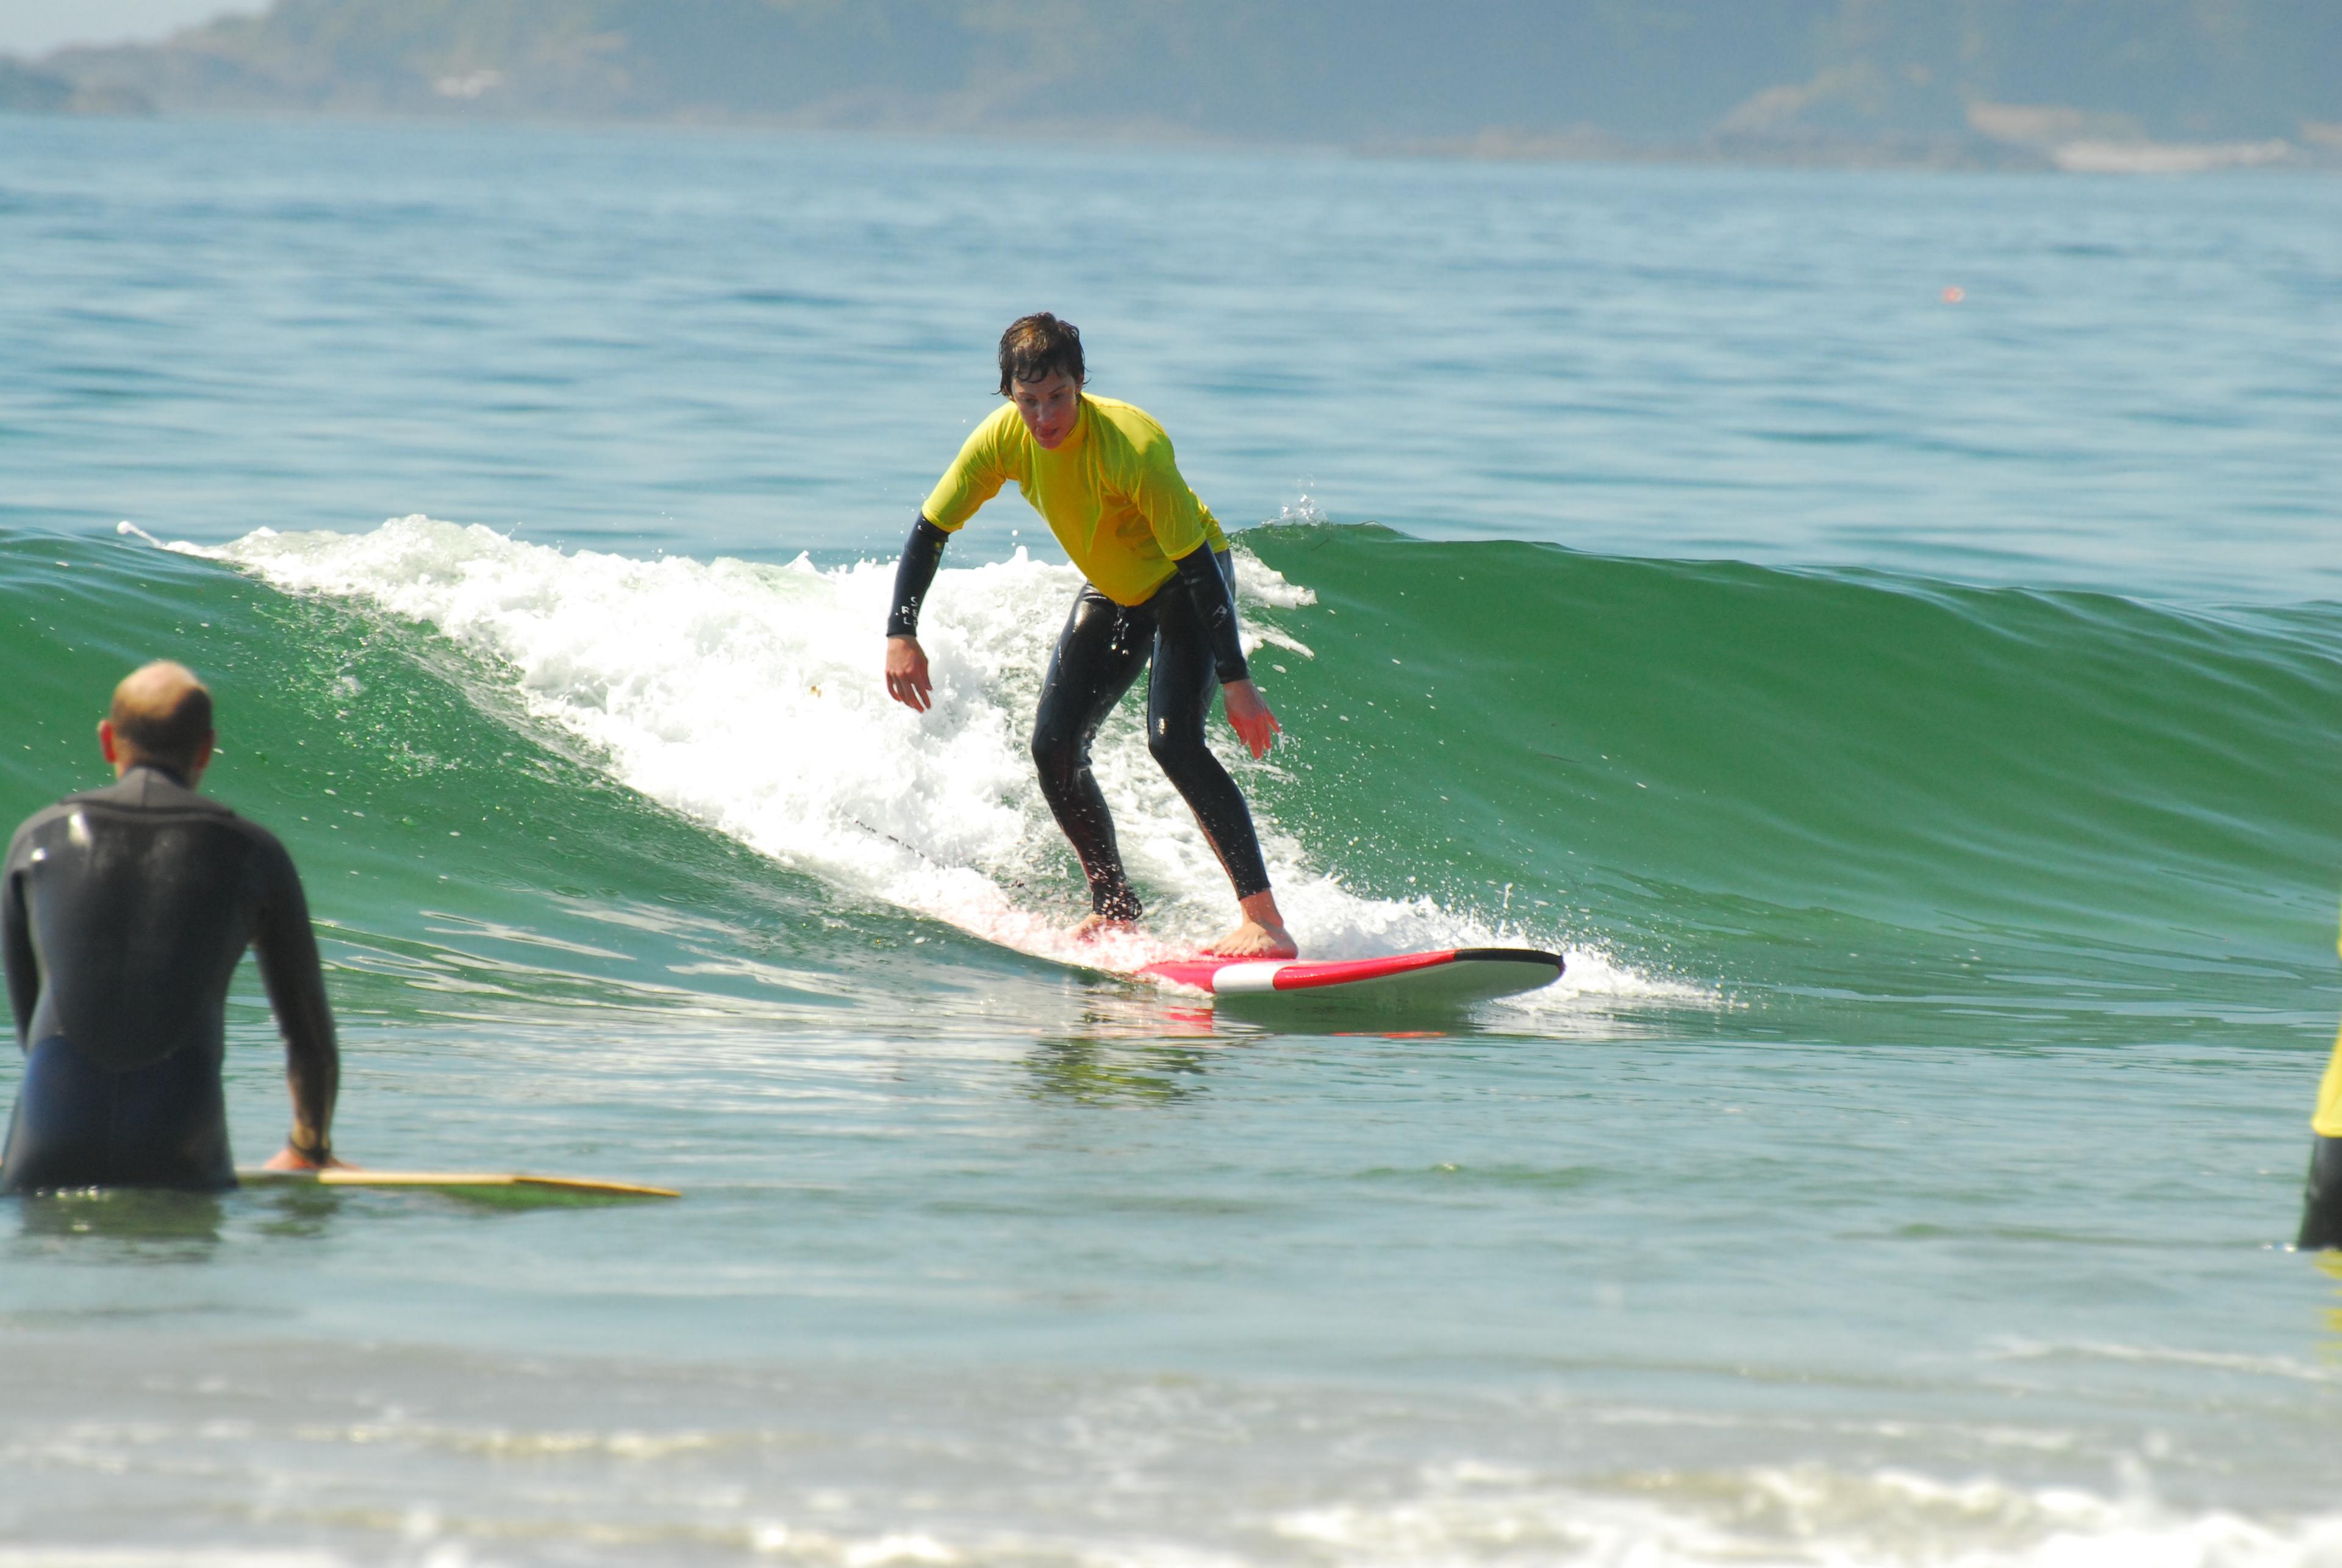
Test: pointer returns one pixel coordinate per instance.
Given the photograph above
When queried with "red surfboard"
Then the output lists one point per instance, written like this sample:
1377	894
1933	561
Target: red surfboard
1453	977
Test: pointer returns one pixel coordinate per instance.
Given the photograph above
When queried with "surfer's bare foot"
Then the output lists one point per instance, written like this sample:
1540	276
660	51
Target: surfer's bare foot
1093	927
1256	939
1262	935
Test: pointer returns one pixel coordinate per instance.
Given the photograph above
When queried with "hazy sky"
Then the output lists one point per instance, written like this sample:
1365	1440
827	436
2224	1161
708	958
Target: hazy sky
36	27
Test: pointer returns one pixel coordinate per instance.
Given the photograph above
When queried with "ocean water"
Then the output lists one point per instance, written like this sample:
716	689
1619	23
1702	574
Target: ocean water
1914	716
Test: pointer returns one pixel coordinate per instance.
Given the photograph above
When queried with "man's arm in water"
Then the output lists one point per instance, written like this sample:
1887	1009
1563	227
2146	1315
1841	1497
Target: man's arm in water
289	968
17	949
907	681
1216	606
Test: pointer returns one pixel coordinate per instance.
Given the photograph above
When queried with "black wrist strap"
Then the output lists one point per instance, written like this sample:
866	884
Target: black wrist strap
1205	576
914	575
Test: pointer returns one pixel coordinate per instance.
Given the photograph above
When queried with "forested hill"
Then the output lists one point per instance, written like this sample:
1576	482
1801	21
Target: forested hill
1508	73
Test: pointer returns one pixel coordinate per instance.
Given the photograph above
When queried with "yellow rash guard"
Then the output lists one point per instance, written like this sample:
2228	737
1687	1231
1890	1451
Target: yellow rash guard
2328	1119
1110	493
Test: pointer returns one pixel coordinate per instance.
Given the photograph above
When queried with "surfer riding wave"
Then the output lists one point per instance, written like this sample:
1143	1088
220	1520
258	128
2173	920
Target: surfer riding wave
1159	595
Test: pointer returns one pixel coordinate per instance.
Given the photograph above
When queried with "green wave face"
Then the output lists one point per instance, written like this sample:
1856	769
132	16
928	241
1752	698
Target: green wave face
468	861
1805	794
1833	784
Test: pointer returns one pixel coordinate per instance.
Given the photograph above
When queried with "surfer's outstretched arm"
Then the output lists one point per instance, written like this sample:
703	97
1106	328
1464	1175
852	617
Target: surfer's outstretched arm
907	681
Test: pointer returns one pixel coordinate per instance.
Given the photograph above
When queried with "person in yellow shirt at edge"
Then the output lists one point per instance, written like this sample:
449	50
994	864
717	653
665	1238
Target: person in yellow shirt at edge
1159	594
2321	1206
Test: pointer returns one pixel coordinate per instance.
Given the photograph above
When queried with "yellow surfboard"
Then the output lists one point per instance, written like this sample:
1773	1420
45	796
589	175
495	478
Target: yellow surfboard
579	1186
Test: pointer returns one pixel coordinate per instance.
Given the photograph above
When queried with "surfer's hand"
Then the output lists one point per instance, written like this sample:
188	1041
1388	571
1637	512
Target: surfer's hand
907	674
1253	723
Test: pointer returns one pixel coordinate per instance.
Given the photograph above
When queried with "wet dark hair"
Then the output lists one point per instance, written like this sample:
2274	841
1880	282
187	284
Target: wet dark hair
1035	348
172	735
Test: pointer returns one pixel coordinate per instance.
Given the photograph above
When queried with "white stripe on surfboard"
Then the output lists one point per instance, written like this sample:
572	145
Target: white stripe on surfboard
1247	979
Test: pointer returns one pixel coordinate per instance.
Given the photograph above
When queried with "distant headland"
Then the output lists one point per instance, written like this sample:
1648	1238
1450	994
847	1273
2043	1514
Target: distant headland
2145	85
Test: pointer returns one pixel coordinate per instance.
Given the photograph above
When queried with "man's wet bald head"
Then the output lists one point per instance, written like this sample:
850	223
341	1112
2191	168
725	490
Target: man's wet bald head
163	713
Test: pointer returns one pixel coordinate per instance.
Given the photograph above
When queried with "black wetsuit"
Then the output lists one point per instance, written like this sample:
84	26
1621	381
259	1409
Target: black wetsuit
1185	636
124	911
2321	1198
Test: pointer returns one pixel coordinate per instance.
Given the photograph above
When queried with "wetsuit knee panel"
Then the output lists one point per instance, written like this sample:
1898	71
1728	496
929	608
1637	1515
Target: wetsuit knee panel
1175	745
1060	751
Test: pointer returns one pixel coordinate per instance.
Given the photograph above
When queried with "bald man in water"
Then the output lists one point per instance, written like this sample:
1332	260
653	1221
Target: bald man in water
124	911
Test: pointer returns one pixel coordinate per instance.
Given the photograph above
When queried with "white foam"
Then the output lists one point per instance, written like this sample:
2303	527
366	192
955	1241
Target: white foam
2289	1368
749	697
1809	1516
